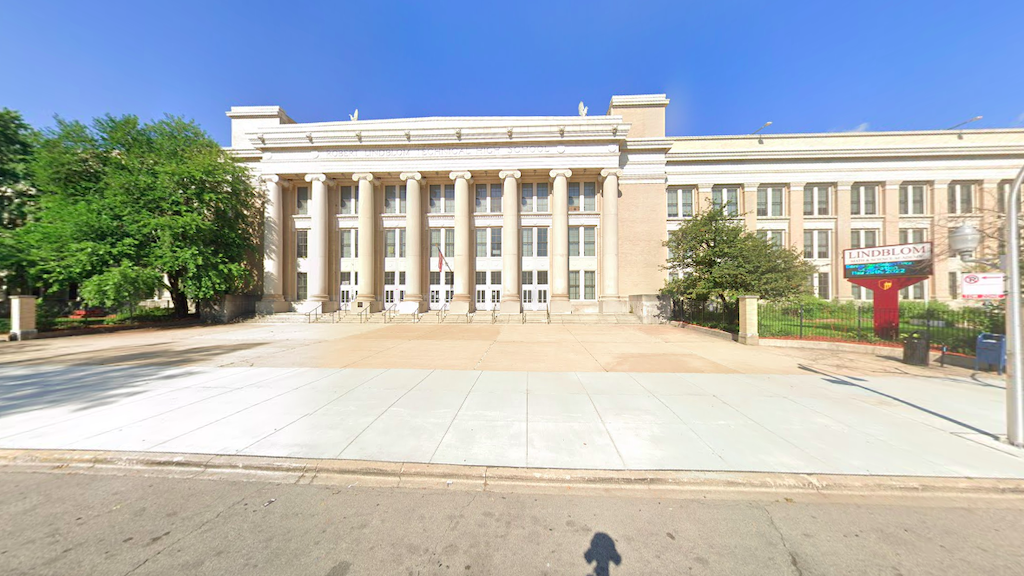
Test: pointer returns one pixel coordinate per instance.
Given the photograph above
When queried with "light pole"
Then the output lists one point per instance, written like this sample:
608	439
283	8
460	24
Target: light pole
963	241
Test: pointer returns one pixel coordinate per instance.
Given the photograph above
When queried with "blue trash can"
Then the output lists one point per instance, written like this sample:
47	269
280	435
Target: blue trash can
990	349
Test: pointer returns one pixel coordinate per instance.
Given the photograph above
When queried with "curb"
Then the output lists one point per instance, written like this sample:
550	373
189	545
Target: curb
498	479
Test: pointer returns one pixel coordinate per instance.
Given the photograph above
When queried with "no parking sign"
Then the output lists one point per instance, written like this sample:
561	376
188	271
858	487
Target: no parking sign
986	286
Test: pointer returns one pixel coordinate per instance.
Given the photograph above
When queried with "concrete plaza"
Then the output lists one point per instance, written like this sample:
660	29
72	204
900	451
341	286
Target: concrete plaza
224	390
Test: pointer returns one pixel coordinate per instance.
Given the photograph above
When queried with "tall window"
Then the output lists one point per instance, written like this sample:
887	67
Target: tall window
481	198
915	292
589	285
574	285
680	202
449	243
495	241
435	244
481	242
726	198
394	199
301	286
349	200
401	243
816	244
864	200
302	200
496	194
912	235
542	242
346	243
534	197
912	199
776	237
861	293
822	289
769	200
527	242
526	198
574	241
488	200
863	238
961	198
589	241
574	196
589	197
302	243
435	203
390	243
817	200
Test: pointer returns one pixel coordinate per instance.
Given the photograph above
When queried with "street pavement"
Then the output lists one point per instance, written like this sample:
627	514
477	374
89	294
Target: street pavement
85	524
822	422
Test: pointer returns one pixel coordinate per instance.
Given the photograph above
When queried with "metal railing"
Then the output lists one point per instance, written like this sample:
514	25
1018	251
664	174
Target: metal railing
390	312
340	313
547	311
315	314
442	312
494	316
364	315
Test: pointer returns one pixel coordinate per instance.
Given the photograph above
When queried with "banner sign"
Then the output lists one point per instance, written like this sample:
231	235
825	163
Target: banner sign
901	260
985	286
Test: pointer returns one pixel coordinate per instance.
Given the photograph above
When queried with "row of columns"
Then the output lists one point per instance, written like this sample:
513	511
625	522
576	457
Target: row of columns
462	301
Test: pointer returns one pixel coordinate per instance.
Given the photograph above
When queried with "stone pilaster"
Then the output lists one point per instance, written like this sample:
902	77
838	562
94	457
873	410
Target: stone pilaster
748	320
890	192
749	206
23	317
319	234
559	301
414	301
273	248
610	302
939	237
367	249
796	215
511	302
843	289
463	301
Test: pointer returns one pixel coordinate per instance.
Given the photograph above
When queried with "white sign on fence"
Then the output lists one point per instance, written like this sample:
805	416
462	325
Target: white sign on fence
988	285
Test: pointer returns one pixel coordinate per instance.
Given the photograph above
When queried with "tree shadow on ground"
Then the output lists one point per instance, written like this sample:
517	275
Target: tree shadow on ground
602	554
155	354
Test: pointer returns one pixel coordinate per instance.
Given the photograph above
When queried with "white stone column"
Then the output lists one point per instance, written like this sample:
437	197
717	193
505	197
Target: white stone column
560	242
414	301
23	317
367	234
319	234
273	249
610	302
511	302
462	300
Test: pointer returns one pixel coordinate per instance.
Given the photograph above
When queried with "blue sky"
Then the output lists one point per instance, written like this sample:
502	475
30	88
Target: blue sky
728	66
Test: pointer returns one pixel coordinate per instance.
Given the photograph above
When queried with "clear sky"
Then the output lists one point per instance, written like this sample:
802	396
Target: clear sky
728	66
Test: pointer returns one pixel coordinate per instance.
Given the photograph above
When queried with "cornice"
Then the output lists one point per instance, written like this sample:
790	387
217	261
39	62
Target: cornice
844	153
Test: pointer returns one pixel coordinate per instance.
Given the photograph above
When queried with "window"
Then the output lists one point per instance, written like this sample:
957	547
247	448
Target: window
574	241
680	202
912	235
495	241
435	203
861	293
527	277
912	199
394	199
816	244
574	285
302	199
542	277
302	243
496	194
481	242
526	198
389	243
534	197
574	196
817	200
389	278
349	200
589	285
773	236
481	278
727	198
961	198
527	247
769	200
481	198
449	278
301	286
589	197
954	285
863	238
915	292
346	278
589	241
481	296
401	243
864	200
449	243
435	278
349	243
401	278
435	243
496	278
542	242
542	197
822	289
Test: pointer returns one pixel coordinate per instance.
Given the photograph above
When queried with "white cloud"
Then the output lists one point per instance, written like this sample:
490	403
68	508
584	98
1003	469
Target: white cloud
862	127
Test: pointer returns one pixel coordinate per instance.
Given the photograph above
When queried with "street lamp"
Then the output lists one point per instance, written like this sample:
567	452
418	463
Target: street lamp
964	241
760	140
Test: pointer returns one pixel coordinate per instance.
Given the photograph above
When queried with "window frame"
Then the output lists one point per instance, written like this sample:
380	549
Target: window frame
815	195
858	203
769	192
731	196
907	200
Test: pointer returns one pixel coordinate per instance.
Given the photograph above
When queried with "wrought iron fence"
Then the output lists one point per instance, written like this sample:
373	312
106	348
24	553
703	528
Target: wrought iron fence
955	328
709	313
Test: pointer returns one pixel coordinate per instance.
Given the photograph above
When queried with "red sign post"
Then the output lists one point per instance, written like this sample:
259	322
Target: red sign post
885	270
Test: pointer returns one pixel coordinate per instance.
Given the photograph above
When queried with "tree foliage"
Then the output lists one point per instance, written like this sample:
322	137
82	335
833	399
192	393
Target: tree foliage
716	257
17	195
159	198
121	287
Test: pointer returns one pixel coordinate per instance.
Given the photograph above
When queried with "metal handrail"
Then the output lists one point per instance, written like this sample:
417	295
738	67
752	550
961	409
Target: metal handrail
317	310
341	312
523	317
494	316
390	312
365	311
547	310
442	312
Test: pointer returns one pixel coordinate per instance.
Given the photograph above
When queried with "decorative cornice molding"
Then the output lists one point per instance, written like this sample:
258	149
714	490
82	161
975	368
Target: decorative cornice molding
362	176
406	176
617	172
564	172
461	174
510	174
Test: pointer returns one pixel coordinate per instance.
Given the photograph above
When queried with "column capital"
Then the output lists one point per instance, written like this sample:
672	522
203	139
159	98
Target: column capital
563	172
510	174
362	176
270	178
617	172
316	178
465	175
844	185
406	176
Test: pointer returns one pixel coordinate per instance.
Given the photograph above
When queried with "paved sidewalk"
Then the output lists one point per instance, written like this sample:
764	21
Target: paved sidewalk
809	423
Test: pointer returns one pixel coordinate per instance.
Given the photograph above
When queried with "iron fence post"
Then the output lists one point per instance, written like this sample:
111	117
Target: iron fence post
801	320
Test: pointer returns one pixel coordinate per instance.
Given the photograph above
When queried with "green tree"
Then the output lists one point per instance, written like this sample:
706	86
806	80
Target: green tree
716	257
159	198
121	287
17	141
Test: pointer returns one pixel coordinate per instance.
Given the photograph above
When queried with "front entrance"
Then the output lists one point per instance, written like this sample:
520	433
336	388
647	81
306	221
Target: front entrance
394	288
535	290
348	293
441	294
488	290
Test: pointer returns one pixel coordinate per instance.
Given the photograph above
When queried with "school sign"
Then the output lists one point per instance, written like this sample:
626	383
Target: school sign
885	270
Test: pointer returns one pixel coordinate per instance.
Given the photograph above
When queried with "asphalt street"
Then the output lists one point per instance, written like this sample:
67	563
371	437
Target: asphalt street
59	523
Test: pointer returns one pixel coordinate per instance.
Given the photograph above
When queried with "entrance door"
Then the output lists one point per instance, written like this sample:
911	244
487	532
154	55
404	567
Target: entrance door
488	290
535	290
441	294
348	291
394	287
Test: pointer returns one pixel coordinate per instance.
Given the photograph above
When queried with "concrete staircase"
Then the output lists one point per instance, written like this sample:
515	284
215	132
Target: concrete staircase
482	317
280	318
536	317
594	319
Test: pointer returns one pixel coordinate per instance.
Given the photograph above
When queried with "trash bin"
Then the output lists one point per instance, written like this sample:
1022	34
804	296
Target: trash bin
915	349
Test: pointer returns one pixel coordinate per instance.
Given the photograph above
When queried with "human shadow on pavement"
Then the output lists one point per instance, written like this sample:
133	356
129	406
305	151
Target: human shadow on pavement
602	554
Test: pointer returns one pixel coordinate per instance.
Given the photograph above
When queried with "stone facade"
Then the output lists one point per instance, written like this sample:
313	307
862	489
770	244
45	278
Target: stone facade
569	213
